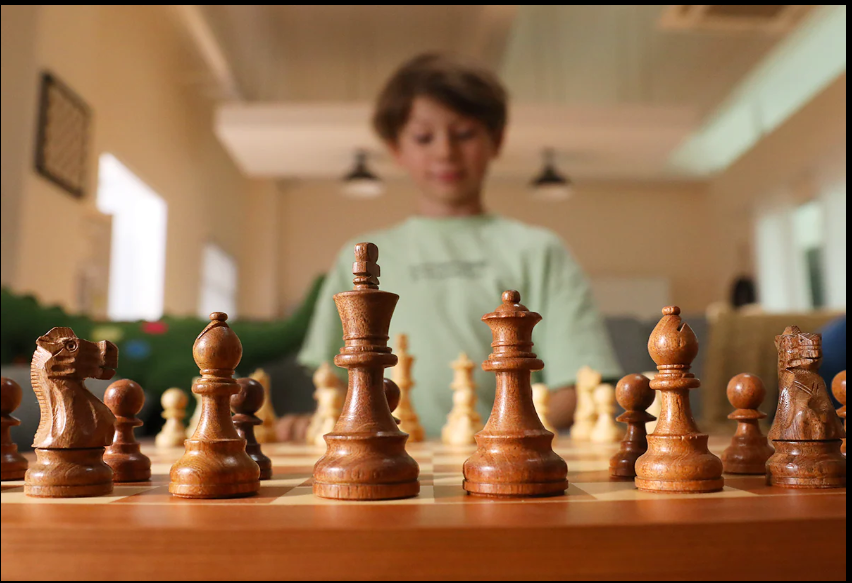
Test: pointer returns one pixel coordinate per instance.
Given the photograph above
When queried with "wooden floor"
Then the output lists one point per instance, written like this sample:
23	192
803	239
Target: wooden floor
599	530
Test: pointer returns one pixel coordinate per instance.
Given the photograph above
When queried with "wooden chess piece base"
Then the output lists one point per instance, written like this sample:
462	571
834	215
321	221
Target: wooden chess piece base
623	463
227	473
13	465
807	465
543	473
679	464
69	473
128	463
747	454
366	467
264	463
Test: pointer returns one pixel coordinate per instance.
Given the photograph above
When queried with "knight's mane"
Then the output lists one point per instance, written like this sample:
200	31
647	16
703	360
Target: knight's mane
40	357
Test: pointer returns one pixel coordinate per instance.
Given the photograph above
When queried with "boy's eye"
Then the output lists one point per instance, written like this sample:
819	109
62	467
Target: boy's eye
464	134
423	138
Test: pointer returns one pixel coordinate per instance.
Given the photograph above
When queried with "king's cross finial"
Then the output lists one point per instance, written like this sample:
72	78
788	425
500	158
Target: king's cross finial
365	269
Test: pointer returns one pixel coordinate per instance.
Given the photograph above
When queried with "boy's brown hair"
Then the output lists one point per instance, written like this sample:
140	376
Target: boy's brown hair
461	85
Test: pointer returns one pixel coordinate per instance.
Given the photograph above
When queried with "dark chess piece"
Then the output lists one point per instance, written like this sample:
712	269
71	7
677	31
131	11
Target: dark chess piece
245	404
635	395
807	433
515	456
365	457
125	399
749	449
838	387
215	464
13	465
75	426
678	459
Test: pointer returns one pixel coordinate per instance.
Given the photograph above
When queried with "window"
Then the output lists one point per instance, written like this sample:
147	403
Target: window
138	249
218	283
801	253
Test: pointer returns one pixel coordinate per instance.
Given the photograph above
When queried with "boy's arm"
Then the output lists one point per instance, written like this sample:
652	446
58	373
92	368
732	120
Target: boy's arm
325	332
573	332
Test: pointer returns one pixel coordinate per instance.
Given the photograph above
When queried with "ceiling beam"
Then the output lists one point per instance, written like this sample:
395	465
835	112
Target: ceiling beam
192	19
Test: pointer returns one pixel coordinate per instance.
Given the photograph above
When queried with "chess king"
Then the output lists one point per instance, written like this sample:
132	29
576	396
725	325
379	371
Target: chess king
75	426
366	458
807	433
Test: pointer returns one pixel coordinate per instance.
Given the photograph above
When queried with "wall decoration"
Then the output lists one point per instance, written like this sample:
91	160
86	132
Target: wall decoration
62	140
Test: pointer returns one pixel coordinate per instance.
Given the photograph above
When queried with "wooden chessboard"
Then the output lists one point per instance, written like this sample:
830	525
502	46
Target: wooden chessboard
600	529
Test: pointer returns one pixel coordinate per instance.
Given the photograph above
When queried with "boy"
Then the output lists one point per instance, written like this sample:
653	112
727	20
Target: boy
443	120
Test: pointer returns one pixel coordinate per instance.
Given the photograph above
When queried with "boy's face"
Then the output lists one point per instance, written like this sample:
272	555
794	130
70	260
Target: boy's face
446	153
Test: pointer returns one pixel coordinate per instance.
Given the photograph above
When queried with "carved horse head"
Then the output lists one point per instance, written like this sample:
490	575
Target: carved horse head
71	417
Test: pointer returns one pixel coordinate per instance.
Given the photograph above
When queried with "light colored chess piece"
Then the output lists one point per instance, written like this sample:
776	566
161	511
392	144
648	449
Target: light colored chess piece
656	407
401	375
196	415
588	380
463	422
541	402
329	395
606	429
173	434
265	433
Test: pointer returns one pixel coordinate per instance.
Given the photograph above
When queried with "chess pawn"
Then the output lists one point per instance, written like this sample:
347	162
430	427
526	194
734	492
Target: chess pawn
244	405
749	449
635	395
401	376
173	434
807	433
196	413
365	457
838	387
265	432
606	430
656	407
215	463
463	422
75	426
678	459
514	455
329	397
13	465
125	399
541	402
585	416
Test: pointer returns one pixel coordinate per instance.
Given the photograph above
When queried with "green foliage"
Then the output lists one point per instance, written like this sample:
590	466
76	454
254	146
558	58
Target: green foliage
157	357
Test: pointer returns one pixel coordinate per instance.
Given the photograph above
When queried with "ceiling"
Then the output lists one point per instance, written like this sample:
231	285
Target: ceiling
608	87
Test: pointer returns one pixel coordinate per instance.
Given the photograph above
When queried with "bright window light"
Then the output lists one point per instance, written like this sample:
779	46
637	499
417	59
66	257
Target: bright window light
218	283
138	251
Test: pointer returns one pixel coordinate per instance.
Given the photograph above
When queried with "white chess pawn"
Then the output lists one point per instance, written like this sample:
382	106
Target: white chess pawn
585	417
196	415
329	407
173	434
606	429
541	402
463	422
329	396
656	407
265	433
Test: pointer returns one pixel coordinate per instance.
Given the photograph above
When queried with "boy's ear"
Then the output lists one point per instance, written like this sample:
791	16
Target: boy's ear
498	143
393	148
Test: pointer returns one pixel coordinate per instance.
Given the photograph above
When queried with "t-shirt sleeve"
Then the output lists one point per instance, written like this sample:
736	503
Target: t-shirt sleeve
573	333
325	332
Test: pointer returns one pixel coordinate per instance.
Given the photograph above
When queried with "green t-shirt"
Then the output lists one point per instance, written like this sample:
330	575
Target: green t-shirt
449	272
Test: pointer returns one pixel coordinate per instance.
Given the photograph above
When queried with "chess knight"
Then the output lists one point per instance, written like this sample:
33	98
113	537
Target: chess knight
75	426
71	417
807	432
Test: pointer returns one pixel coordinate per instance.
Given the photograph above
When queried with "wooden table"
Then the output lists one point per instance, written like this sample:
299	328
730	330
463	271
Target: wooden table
600	530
